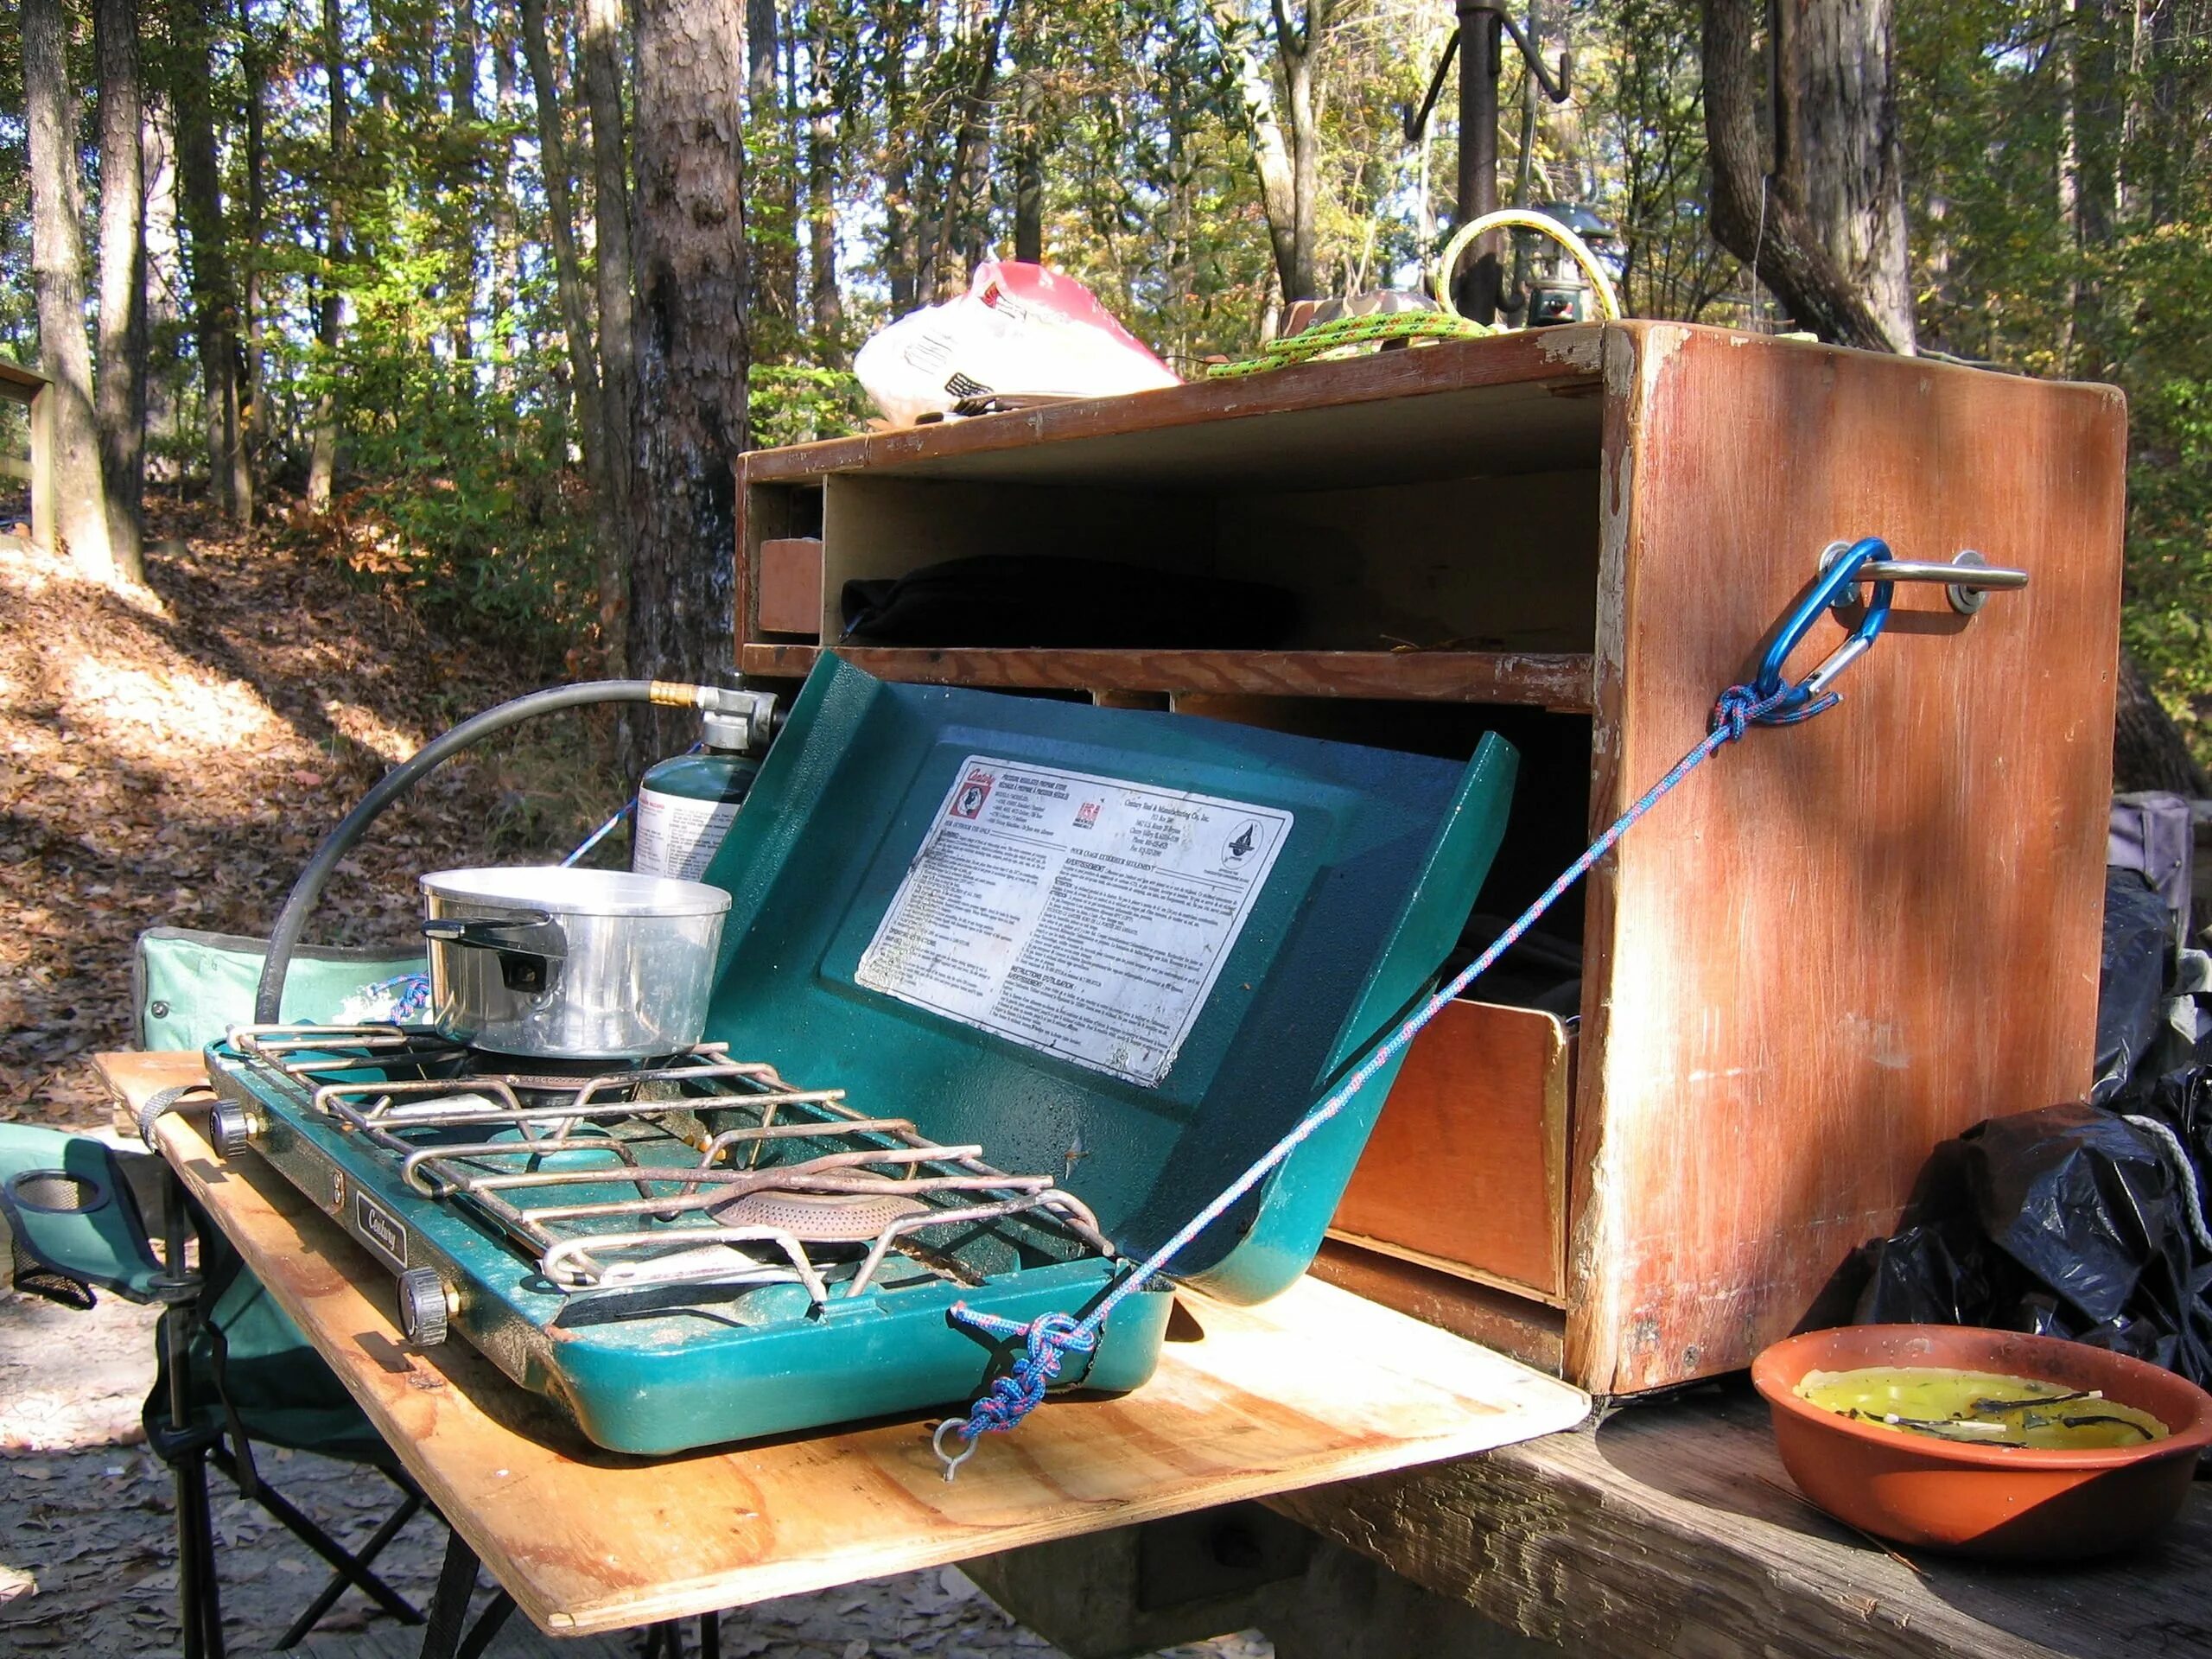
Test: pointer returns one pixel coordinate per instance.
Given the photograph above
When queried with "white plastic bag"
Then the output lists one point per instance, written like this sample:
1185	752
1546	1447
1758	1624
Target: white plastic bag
1019	331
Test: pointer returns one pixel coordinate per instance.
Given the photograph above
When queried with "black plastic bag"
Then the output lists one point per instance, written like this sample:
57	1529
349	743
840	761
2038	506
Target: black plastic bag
2075	1197
2068	1222
2131	981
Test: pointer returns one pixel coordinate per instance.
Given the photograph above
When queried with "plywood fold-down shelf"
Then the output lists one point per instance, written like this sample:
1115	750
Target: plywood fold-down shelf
1315	1386
1554	680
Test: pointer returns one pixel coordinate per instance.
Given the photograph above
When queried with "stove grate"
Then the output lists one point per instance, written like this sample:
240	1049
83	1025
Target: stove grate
698	1169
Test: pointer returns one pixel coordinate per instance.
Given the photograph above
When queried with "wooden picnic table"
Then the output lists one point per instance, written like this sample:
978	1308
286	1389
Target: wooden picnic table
1671	1529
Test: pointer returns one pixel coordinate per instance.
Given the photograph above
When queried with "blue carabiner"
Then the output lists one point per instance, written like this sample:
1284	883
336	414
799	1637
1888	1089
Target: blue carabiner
1810	695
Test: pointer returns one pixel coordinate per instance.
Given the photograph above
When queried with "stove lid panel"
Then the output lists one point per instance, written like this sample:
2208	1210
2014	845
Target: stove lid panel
1127	949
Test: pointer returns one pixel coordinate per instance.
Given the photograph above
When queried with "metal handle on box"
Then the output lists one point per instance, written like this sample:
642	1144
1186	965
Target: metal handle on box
1965	597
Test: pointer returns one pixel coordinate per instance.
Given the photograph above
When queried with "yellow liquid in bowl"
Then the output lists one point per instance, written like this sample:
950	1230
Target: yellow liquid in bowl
1980	1407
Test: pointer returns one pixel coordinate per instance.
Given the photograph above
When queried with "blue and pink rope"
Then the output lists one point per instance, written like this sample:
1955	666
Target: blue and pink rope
1048	1341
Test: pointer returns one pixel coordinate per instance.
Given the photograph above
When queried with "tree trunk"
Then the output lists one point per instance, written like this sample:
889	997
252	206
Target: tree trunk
1846	148
1764	216
693	349
58	275
602	56
1271	155
1296	58
2148	750
1182	217
956	243
900	266
164	248
776	287
214	301
826	300
561	227
123	285
576	320
460	93
760	56
506	240
330	311
254	417
1025	144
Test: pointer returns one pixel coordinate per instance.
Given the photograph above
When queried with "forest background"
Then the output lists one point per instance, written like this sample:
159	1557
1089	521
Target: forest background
403	267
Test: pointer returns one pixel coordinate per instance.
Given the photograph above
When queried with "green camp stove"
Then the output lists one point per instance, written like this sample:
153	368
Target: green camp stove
1008	990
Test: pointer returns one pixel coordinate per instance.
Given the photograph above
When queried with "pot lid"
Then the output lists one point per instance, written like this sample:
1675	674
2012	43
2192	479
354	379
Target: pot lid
564	890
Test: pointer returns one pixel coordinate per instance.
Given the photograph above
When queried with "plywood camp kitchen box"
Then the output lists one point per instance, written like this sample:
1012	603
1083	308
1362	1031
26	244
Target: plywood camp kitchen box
1842	943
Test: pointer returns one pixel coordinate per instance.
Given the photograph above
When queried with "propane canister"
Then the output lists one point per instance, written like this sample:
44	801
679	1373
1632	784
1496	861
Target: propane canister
686	804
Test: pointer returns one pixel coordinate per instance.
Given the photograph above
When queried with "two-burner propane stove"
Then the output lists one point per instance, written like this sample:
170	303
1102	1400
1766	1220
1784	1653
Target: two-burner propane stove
580	1228
1002	981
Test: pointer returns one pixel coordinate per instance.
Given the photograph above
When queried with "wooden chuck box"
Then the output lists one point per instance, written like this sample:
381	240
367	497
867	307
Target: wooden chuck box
1840	943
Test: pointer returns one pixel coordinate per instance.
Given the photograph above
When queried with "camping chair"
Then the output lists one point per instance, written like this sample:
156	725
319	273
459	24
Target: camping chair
234	1370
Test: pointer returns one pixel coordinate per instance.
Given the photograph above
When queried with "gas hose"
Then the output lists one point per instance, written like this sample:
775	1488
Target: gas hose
291	920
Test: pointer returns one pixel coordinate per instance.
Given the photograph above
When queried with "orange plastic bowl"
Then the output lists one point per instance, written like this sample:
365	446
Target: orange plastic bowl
2008	1503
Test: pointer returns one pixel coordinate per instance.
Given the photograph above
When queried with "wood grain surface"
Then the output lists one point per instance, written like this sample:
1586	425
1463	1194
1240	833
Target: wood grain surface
1562	359
1510	1323
1673	1531
1846	940
1545	680
1466	1169
790	589
1315	1386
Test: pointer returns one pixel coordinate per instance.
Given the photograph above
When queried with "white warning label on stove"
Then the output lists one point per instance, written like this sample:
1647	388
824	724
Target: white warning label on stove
1084	916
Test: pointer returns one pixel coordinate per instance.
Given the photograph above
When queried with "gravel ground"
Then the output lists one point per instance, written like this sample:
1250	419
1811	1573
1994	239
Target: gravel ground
87	1545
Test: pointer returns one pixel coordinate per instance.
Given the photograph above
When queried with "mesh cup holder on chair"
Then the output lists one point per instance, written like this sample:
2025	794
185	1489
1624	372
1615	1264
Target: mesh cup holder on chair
53	1192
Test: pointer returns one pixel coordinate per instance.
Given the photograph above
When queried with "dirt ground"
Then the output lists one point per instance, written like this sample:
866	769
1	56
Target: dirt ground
172	755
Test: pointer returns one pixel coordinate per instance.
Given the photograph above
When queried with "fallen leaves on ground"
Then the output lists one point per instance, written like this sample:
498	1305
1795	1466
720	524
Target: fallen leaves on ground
174	752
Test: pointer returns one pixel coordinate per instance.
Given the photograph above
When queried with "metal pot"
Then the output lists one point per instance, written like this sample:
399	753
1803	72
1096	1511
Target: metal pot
564	964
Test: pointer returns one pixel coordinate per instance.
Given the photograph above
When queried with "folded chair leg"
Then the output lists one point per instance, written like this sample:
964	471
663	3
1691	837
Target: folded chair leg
711	1635
354	1569
445	1637
488	1623
199	1602
409	1507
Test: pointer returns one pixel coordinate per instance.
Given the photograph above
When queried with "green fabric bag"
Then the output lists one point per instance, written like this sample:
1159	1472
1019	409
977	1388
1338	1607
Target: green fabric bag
189	988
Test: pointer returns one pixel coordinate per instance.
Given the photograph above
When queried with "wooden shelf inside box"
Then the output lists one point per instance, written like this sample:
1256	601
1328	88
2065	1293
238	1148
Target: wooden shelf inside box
1554	680
1463	520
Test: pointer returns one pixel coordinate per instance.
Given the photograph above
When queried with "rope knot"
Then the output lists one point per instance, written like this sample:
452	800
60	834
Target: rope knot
1733	712
1046	1342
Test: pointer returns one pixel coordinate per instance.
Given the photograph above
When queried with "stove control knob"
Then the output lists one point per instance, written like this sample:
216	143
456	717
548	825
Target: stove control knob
230	1127
425	1305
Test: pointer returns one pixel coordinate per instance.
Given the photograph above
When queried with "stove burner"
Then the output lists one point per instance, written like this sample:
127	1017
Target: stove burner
697	1170
819	1219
